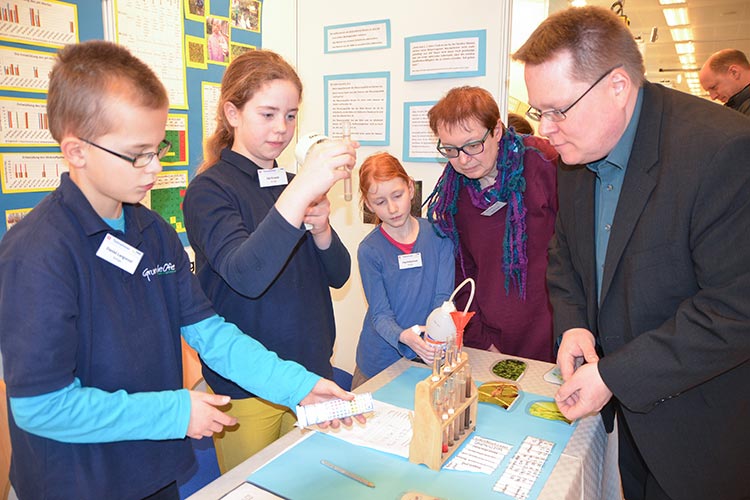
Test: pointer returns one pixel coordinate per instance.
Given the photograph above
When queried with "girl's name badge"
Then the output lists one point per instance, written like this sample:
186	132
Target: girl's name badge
494	208
118	253
272	177
409	260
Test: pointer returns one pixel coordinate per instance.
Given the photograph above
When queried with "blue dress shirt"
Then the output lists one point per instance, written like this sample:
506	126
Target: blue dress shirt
610	173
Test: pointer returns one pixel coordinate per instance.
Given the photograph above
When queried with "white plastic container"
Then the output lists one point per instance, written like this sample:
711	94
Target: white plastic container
440	327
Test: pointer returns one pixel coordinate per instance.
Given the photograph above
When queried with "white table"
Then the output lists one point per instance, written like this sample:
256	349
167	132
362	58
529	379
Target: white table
586	470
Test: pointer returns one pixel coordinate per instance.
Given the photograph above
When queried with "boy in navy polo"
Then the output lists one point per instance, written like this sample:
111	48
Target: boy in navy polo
95	291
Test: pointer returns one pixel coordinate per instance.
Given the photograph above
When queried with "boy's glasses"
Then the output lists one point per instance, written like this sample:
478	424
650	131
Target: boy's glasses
470	148
558	115
139	160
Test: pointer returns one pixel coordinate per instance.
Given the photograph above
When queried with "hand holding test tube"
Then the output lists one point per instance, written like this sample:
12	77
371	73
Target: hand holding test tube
307	143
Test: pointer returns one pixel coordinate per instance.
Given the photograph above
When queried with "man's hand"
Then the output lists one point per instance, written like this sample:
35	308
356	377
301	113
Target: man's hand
585	392
577	345
205	418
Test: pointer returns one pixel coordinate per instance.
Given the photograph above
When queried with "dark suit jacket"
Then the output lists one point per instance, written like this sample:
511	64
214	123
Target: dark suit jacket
674	319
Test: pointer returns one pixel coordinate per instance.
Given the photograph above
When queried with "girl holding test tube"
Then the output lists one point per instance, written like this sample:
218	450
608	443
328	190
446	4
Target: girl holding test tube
246	219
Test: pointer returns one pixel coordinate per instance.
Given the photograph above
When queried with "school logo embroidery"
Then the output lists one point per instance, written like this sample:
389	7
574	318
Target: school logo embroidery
161	269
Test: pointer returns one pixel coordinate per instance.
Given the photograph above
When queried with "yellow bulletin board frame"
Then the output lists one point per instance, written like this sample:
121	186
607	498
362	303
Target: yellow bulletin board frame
47	3
196	41
49	56
182	147
232	45
167	182
43	102
229	39
204	86
6	183
22	212
196	17
259	5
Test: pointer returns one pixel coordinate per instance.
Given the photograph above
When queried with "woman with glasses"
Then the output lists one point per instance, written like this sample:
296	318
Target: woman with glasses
496	200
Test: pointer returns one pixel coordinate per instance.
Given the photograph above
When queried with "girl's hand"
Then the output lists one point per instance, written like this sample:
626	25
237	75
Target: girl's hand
327	389
411	338
326	163
316	216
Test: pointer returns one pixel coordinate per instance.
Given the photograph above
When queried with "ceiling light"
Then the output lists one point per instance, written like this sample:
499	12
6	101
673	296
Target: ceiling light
681	34
676	17
670	2
578	3
684	48
687	60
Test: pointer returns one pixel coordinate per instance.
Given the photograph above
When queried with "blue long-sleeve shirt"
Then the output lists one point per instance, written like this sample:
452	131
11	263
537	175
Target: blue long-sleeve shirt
76	414
399	298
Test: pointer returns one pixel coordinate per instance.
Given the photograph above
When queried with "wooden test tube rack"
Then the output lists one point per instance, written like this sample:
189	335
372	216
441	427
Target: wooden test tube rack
428	427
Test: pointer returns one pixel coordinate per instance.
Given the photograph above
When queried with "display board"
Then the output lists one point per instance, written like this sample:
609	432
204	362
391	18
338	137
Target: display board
381	66
175	39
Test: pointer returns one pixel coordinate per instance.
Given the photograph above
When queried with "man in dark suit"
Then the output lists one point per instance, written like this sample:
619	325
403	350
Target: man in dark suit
649	271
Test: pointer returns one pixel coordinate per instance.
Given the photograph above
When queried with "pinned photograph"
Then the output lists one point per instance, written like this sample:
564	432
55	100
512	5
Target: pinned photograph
217	34
245	15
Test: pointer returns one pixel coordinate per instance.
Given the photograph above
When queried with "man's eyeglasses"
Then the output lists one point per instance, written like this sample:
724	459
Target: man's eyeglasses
140	160
470	148
558	115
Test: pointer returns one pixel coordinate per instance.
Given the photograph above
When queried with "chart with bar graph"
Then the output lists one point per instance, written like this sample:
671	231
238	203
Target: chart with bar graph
12	217
31	172
23	122
51	24
25	70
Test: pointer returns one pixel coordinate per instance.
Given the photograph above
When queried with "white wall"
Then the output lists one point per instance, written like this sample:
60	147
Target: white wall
284	33
527	14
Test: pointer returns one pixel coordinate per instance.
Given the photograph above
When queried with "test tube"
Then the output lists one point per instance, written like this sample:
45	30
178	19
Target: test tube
448	391
448	366
467	412
436	364
445	446
456	354
346	134
460	398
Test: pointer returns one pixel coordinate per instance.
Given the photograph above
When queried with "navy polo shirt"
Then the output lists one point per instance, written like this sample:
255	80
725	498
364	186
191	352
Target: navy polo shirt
261	273
67	313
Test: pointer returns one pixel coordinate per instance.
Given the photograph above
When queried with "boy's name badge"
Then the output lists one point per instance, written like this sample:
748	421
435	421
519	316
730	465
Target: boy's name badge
117	252
272	177
494	208
409	260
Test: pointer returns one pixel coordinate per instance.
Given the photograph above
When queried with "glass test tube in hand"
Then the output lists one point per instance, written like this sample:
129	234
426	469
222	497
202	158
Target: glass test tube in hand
346	134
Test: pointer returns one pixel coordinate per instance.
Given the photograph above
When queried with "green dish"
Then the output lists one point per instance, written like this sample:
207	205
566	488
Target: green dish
510	369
